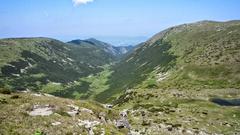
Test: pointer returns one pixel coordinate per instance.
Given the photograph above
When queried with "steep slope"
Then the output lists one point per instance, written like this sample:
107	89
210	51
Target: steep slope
200	55
184	80
48	65
115	51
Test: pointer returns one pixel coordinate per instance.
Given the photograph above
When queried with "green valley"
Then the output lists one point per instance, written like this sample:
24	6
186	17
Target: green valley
184	80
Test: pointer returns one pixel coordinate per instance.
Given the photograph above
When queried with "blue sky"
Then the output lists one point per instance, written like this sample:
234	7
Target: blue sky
113	21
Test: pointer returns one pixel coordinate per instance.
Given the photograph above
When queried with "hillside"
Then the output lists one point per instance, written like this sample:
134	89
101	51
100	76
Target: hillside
27	113
190	56
49	65
184	80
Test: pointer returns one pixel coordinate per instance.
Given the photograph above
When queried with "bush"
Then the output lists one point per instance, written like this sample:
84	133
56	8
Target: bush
3	101
39	132
5	91
15	97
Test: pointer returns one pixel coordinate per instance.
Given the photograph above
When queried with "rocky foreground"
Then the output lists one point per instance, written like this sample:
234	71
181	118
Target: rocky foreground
30	113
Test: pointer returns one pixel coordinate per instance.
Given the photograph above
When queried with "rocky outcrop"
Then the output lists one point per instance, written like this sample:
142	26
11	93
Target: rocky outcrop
74	110
89	125
41	110
123	121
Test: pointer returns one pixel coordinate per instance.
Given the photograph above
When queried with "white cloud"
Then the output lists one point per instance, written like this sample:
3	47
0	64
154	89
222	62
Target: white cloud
79	2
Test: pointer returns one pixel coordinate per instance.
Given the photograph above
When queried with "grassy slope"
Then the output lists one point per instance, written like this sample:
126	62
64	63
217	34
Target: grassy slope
199	55
183	110
14	119
49	65
206	66
83	88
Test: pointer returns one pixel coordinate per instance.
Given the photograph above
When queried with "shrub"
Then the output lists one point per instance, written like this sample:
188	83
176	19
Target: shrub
15	97
38	132
5	91
3	101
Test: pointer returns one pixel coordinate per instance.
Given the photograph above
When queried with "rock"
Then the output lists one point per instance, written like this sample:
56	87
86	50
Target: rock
122	123
48	95
25	91
74	110
108	106
102	116
123	113
56	123
39	110
89	125
90	131
189	132
227	124
162	126
37	94
86	111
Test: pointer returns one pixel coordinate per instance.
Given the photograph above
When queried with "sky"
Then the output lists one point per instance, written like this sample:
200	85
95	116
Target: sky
119	22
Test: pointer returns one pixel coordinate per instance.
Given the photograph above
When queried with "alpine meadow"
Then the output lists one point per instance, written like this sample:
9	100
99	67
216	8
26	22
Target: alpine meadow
105	67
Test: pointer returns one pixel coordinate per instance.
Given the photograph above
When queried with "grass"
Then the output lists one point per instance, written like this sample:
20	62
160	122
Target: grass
192	110
47	60
52	87
199	55
98	82
16	110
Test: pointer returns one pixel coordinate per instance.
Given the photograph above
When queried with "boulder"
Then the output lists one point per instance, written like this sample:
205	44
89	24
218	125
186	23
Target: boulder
41	110
74	110
122	123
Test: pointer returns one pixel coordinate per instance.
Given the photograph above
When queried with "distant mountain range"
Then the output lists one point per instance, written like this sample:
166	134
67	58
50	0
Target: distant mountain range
117	51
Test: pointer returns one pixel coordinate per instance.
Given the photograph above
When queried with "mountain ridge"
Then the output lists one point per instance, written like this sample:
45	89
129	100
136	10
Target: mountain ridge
49	64
217	44
114	50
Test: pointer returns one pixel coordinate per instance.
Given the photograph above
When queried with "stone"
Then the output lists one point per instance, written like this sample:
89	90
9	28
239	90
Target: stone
56	123
37	95
122	123
108	106
89	125
74	110
39	110
86	110
123	114
102	116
